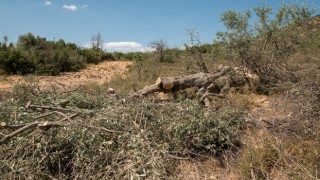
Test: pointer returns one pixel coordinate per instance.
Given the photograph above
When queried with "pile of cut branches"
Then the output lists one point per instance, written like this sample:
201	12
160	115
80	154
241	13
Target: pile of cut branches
92	134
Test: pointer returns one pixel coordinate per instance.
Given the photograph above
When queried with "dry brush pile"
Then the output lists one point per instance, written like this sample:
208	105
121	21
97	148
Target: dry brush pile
88	133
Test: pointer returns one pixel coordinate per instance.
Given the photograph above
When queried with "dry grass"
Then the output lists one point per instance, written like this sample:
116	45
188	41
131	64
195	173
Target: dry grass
277	157
203	168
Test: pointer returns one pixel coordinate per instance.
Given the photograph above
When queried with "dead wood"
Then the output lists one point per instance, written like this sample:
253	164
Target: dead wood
173	84
207	84
42	125
49	108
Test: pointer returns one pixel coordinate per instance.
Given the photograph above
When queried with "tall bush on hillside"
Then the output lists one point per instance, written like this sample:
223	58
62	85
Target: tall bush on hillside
94	56
265	46
16	63
49	57
118	55
3	55
34	54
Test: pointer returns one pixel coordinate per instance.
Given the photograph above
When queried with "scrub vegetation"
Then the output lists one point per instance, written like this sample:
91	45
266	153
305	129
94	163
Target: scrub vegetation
260	120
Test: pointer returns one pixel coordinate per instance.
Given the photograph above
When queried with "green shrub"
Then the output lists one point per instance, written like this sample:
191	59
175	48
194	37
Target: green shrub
61	61
96	56
197	131
118	55
37	55
15	63
266	46
108	56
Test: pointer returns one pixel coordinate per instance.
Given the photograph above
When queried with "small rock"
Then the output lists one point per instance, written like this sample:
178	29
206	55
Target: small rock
111	91
213	177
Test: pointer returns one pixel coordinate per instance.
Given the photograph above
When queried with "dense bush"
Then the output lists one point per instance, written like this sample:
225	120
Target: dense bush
96	56
195	130
38	55
118	55
14	62
266	46
134	55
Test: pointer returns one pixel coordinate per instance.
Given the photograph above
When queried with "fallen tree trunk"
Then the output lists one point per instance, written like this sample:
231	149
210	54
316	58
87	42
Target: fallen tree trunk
173	84
207	85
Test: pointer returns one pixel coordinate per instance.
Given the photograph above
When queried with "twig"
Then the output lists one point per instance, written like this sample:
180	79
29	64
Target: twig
43	125
13	127
213	94
60	113
102	128
29	126
44	115
51	108
176	157
129	167
73	90
5	125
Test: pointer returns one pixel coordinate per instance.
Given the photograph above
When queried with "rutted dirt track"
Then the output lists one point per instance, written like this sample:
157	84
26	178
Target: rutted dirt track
100	73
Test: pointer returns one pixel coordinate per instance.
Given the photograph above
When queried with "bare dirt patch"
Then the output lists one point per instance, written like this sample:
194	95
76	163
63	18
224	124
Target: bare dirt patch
99	74
209	169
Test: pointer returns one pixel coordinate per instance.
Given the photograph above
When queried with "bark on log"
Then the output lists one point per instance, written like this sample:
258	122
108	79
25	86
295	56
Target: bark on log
207	85
173	84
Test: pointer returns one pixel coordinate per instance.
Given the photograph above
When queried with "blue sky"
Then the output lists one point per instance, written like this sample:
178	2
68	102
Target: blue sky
125	25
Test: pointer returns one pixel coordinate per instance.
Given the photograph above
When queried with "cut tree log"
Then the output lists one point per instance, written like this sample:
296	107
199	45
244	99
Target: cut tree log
207	85
174	84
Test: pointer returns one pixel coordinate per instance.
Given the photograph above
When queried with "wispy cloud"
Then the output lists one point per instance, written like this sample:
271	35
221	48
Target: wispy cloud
73	7
70	7
48	3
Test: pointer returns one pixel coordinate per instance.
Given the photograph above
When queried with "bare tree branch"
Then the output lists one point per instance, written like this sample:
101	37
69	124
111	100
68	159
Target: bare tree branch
51	108
42	125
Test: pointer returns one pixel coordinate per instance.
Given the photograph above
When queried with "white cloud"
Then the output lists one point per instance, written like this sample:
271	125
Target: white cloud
48	3
123	47
126	47
70	7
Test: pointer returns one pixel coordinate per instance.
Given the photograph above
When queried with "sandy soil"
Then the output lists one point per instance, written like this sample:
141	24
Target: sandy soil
93	73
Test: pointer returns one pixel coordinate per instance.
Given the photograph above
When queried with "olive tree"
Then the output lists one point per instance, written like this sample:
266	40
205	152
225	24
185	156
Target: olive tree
264	47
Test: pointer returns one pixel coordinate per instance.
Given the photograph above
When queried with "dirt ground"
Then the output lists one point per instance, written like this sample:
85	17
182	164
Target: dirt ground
100	73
